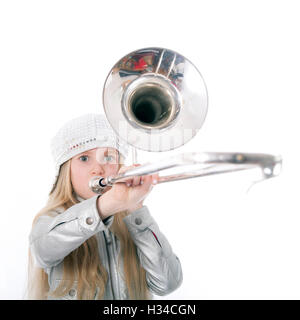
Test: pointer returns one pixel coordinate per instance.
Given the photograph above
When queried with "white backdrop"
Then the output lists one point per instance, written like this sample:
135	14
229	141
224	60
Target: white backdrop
54	58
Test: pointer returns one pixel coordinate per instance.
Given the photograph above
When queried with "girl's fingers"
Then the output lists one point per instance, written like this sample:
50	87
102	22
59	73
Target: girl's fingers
142	180
139	180
154	178
128	183
146	179
136	181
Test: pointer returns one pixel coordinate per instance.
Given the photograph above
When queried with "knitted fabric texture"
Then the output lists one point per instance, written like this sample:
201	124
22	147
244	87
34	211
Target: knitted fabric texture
81	134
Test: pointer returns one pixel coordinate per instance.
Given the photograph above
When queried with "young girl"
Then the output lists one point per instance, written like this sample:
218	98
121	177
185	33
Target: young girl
86	246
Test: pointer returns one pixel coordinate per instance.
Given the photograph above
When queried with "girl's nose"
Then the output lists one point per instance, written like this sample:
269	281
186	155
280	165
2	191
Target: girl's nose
98	170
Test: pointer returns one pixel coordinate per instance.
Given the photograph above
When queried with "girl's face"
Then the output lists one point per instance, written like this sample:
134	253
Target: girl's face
95	162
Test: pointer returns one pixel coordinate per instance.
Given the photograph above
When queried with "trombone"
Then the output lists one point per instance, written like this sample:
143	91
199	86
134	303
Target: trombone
156	100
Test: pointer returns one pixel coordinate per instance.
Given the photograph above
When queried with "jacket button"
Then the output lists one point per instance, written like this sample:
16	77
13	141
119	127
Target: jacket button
72	293
89	220
138	221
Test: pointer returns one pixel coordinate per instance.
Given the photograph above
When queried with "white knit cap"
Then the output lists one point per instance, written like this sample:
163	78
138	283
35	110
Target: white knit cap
81	134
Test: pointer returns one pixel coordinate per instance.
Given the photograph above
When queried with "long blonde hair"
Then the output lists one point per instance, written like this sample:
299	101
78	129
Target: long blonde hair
83	264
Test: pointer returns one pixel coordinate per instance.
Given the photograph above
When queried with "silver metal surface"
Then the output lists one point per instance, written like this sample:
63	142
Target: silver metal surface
155	99
202	164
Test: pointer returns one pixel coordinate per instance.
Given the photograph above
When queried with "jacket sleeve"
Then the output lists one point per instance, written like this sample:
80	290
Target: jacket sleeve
53	238
162	266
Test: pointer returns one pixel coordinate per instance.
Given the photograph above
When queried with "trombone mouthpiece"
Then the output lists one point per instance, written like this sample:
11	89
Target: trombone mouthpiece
97	185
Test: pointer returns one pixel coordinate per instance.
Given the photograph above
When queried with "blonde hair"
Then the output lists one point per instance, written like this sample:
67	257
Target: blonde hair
84	264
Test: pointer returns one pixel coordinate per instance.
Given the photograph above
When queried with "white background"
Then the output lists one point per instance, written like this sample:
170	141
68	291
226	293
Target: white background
54	58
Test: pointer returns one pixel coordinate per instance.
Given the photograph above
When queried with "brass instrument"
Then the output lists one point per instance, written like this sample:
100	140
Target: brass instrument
156	100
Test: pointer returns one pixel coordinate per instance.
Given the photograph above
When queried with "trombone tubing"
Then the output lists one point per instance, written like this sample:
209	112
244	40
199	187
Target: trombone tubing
236	162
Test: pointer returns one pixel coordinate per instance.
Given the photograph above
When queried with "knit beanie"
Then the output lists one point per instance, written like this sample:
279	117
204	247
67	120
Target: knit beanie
81	134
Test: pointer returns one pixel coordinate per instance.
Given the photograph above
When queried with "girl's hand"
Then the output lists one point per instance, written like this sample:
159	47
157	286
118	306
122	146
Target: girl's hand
127	195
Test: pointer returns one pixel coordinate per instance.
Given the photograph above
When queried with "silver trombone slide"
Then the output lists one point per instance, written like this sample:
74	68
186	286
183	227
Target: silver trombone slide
211	163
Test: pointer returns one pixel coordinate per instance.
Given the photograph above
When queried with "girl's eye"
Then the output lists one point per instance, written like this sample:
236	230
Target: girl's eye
83	158
109	158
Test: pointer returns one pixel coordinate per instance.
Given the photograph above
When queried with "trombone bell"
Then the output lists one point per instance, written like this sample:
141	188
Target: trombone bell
150	102
155	99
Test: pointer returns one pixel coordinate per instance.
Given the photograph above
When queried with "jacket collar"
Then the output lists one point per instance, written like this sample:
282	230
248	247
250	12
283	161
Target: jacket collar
79	198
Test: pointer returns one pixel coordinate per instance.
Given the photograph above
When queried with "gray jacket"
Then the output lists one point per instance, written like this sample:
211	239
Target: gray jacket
53	238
